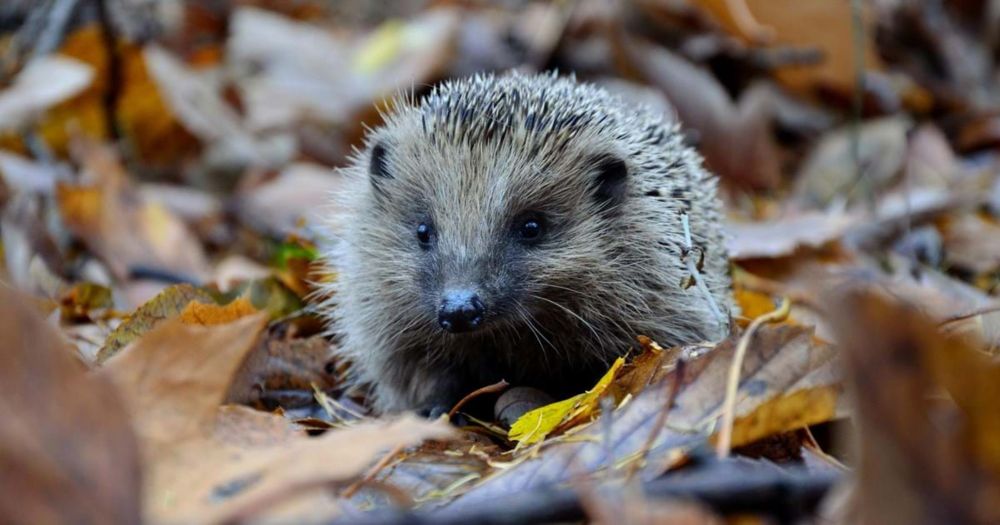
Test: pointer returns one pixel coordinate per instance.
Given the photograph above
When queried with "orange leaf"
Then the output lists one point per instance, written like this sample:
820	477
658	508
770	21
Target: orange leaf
206	314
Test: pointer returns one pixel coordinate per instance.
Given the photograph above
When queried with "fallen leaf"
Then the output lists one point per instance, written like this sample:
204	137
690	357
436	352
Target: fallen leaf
170	302
972	243
781	360
735	137
127	232
805	24
830	172
43	83
299	195
783	236
206	314
899	365
537	424
196	101
67	449
176	375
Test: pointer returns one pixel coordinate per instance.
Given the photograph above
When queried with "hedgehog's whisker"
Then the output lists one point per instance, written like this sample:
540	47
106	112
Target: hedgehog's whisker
593	330
539	337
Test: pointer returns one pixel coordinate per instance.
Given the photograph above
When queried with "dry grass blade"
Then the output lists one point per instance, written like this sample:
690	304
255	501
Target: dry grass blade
723	446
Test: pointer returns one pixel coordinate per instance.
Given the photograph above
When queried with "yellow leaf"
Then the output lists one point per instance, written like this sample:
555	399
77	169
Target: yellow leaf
535	425
381	48
784	413
207	314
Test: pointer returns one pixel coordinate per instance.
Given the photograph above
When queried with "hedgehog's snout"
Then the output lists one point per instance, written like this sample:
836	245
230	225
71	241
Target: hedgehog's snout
461	310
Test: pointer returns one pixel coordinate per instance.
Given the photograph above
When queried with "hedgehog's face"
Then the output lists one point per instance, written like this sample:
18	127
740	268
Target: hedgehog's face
489	238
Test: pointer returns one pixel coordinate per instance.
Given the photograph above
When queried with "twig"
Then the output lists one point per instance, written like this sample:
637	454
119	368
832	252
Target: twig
372	472
490	389
857	103
724	444
661	416
113	91
747	23
968	315
59	16
692	268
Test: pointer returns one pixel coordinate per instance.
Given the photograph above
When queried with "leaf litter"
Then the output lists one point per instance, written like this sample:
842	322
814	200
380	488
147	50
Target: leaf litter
162	188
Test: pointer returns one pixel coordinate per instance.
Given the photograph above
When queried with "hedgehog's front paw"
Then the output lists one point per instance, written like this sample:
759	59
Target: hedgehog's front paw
434	411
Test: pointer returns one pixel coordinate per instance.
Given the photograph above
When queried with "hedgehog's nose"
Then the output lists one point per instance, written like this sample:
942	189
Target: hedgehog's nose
461	311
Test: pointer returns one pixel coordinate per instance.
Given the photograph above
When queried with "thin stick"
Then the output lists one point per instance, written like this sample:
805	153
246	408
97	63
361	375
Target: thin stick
490	389
696	275
661	416
372	472
724	444
968	315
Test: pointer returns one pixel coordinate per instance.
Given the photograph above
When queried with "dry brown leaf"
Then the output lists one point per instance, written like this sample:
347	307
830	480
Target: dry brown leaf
972	243
783	236
175	376
196	101
829	172
285	371
735	137
127	232
804	24
924	457
299	195
67	450
781	361
208	466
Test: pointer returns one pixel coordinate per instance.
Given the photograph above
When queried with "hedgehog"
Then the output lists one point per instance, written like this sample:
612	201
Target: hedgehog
519	227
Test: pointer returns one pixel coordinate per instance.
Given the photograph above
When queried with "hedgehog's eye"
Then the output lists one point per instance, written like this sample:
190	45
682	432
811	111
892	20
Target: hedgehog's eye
529	228
424	233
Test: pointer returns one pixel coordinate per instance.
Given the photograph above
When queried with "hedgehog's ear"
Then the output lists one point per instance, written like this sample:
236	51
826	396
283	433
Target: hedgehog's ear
377	167
610	174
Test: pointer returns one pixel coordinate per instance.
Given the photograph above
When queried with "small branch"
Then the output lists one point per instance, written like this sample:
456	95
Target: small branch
699	282
724	445
59	16
661	416
372	472
489	389
113	91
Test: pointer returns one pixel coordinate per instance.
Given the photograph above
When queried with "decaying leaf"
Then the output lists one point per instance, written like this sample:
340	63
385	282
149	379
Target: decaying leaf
781	237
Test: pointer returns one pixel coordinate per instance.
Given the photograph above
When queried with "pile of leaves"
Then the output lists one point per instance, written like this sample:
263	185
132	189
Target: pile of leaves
164	177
